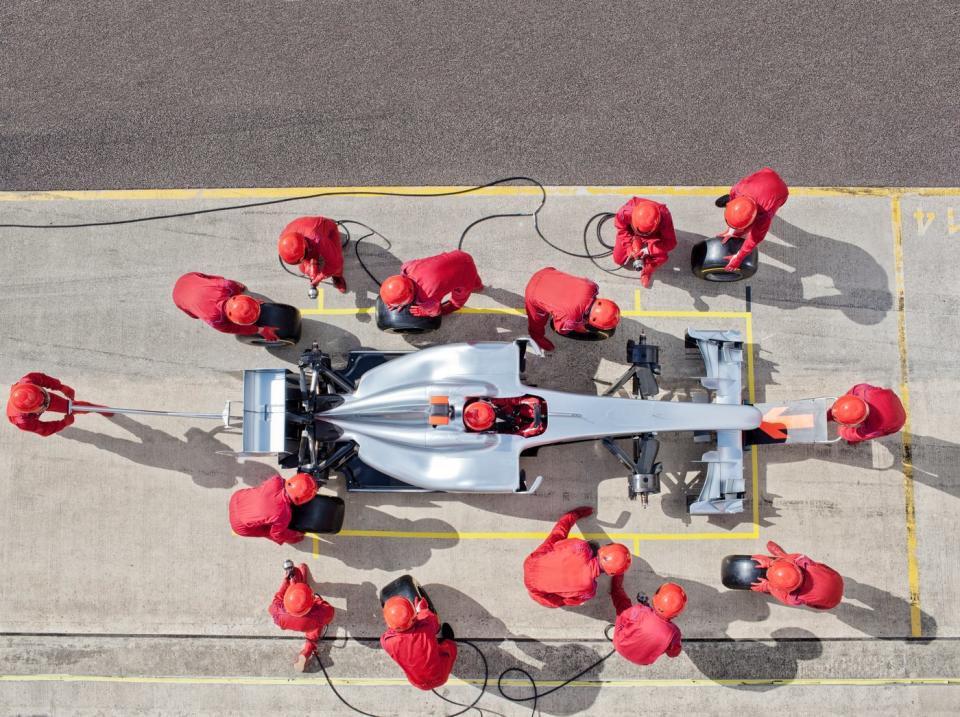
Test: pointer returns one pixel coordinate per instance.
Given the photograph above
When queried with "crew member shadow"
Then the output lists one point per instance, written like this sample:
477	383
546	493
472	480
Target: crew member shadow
209	462
543	661
860	285
461	326
373	261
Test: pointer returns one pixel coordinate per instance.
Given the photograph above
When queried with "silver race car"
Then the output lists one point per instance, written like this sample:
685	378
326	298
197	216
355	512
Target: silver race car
393	421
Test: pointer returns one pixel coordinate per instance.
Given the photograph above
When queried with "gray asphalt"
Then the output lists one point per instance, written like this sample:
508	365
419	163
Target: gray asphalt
124	94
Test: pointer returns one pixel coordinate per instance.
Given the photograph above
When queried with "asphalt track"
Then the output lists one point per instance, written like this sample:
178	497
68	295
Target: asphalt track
136	94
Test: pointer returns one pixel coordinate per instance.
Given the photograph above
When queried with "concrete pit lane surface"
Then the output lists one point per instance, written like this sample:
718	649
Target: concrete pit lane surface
125	592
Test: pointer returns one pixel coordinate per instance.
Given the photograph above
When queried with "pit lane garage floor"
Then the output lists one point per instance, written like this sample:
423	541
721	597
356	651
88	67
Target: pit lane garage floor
123	591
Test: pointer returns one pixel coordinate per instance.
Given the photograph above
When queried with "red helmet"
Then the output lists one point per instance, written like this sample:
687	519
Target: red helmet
397	291
669	600
784	575
850	410
479	416
398	613
604	314
614	558
645	217
301	488
740	213
298	599
292	248
28	398
242	309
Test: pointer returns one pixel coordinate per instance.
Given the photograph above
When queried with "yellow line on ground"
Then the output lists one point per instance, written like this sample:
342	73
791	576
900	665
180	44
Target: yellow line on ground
913	572
473	535
427	191
401	682
754	463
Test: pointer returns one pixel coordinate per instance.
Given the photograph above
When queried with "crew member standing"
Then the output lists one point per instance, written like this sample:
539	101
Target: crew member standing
265	512
795	579
642	633
32	396
297	607
866	412
314	244
564	571
221	304
645	234
572	303
749	209
411	640
423	283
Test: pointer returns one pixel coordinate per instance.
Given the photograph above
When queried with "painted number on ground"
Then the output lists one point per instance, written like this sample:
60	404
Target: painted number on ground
924	219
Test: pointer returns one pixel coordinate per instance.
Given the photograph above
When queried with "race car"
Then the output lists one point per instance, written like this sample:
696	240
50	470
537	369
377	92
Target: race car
394	421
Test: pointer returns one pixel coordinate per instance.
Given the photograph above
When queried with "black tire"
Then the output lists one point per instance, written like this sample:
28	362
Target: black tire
285	319
738	572
323	514
403	322
591	335
709	257
408	587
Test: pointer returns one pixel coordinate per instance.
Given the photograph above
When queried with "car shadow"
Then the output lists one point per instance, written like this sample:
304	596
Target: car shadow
209	462
860	284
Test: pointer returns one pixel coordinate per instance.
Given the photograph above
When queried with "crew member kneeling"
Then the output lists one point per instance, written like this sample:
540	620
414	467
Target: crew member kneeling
221	304
314	244
795	579
572	303
866	412
264	511
411	640
297	607
564	571
749	209
644	234
422	284
642	633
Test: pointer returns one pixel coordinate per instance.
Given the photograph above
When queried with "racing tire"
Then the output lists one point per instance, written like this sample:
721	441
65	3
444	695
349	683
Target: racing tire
284	318
323	514
738	572
408	587
709	257
402	321
591	335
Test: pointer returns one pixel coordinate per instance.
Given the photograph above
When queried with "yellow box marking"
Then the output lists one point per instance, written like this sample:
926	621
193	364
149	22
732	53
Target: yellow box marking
913	571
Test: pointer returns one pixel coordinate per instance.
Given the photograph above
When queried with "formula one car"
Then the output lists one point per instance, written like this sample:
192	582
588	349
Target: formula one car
393	421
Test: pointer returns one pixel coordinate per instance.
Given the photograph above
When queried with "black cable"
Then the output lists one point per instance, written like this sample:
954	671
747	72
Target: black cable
600	219
533	683
467	708
283	200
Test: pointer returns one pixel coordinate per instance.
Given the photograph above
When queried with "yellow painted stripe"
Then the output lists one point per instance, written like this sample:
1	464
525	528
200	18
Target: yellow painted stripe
265	193
401	682
473	535
754	463
913	571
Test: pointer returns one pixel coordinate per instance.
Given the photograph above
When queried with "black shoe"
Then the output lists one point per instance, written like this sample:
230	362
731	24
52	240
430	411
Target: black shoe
446	632
722	201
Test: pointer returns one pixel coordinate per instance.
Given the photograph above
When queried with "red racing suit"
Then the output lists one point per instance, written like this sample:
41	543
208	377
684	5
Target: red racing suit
562	571
629	244
822	586
202	296
324	257
640	635
886	414
452	272
58	404
263	512
565	298
425	661
311	624
770	193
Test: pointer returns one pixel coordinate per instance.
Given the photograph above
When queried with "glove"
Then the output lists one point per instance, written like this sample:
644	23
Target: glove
268	333
421	604
760	586
762	561
643	600
417	311
546	344
340	283
583	511
447	308
726	235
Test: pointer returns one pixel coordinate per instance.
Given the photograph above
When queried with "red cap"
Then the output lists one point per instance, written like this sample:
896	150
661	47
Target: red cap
614	558
850	410
397	291
28	398
669	600
740	213
301	488
645	217
298	599
398	613
784	575
292	248
242	309
479	416
604	314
